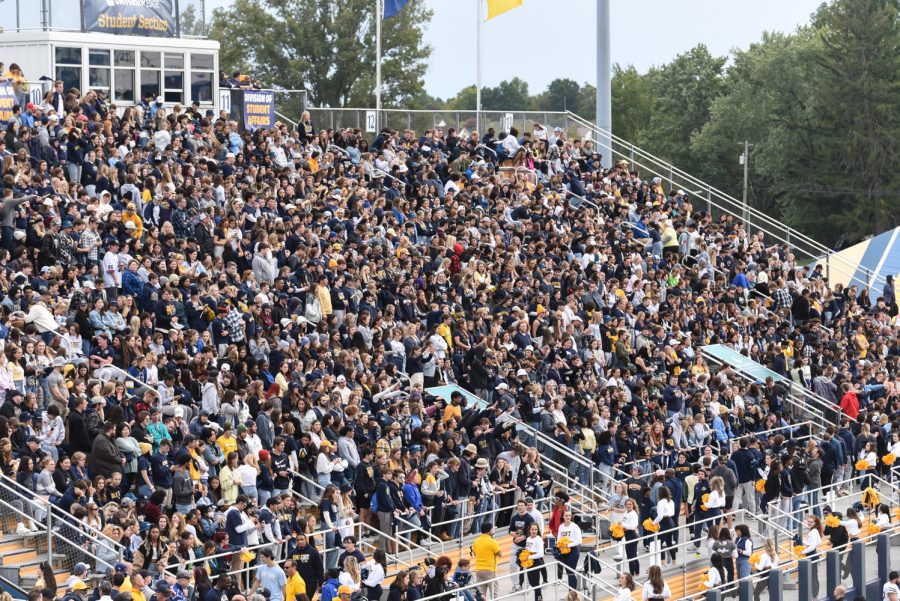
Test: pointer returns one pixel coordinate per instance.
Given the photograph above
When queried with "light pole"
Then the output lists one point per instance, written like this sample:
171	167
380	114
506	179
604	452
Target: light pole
745	161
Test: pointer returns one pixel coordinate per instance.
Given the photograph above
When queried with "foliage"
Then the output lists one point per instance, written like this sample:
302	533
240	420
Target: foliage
326	47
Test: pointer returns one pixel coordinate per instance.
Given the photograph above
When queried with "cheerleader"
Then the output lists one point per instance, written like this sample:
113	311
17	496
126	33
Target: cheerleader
868	455
665	512
893	471
811	548
768	560
655	589
534	544
853	524
715	576
716	502
626	587
630	524
572	531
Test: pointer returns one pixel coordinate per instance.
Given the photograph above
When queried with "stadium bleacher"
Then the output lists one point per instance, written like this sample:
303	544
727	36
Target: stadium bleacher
230	338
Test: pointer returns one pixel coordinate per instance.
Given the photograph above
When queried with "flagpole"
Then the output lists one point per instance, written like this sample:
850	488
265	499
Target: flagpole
379	16
480	29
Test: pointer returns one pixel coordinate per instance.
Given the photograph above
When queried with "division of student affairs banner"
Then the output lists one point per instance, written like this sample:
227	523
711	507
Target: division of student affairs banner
130	17
259	109
7	101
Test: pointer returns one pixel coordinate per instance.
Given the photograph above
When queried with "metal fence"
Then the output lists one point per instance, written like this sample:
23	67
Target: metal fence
371	121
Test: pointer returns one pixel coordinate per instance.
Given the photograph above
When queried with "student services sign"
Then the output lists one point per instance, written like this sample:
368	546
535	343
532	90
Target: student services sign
130	17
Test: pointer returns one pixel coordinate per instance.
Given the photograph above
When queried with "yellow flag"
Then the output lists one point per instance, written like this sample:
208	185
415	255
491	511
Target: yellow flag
498	7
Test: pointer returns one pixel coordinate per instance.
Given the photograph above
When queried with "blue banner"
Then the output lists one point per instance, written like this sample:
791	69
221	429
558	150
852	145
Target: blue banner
259	109
7	100
130	17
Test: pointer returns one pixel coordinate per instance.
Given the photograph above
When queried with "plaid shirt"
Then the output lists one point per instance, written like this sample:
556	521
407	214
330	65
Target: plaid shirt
90	239
235	323
782	298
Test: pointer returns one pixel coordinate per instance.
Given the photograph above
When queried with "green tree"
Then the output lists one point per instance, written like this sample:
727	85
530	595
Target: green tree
768	101
684	90
560	95
511	95
325	47
190	23
858	82
632	103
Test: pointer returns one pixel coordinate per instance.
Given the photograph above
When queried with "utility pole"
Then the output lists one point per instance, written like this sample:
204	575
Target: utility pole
745	161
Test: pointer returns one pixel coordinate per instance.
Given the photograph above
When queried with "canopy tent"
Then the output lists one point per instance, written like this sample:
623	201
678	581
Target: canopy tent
868	263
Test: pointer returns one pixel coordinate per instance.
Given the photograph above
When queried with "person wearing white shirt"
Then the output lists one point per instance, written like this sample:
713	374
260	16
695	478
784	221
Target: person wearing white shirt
626	587
870	457
534	543
744	545
374	570
655	589
716	502
535	514
714	574
811	548
630	523
894	449
665	512
768	560
891	589
884	517
572	531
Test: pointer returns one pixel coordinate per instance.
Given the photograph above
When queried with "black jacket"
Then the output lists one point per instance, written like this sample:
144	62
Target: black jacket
79	437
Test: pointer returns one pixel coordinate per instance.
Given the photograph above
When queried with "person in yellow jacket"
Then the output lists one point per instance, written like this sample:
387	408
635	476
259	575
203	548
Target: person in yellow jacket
323	293
130	216
134	584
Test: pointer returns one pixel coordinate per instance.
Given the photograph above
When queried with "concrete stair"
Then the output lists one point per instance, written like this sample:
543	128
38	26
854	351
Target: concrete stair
21	557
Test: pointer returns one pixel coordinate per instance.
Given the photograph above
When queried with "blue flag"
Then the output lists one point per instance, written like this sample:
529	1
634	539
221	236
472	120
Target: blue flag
392	7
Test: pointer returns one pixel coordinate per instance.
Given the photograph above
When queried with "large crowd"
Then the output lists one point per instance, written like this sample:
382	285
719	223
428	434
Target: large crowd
215	339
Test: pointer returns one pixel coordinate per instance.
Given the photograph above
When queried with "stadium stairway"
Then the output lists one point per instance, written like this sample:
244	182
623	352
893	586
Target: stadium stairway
56	540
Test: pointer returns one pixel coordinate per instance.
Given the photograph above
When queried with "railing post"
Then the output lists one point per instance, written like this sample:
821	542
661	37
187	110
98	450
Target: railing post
832	569
713	595
745	589
775	587
883	549
709	200
857	566
804	579
49	533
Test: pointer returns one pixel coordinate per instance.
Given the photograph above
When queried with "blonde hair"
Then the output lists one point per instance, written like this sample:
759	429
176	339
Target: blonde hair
351	567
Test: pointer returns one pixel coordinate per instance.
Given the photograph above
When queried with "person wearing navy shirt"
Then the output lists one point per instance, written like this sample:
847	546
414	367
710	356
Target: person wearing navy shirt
162	469
236	525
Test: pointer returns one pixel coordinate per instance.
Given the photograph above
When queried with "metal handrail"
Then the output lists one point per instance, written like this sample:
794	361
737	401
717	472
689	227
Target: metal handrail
741	212
45	505
618	468
792	565
816	415
398	541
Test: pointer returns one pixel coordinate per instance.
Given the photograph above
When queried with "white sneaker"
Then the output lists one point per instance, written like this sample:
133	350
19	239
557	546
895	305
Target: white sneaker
33	527
22	529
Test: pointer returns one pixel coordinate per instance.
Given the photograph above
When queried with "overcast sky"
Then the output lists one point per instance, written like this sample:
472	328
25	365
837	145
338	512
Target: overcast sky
546	39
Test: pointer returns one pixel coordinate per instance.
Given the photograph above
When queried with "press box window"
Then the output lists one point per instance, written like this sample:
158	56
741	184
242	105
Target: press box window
174	77
123	75
99	69
68	66
202	77
151	76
